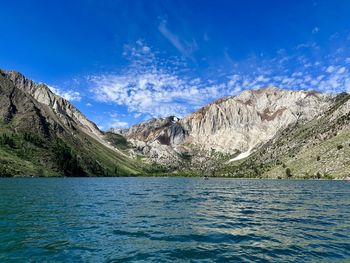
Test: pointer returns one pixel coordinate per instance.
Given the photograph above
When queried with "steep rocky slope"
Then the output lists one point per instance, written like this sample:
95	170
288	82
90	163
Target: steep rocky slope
66	112
244	122
43	134
316	149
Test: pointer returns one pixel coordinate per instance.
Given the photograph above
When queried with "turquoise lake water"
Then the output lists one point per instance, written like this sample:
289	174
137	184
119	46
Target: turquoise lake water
173	220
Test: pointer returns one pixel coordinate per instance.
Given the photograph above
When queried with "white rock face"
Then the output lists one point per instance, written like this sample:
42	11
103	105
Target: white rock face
232	124
255	116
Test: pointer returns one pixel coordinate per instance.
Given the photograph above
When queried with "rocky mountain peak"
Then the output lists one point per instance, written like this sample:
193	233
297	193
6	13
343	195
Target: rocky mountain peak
66	111
165	130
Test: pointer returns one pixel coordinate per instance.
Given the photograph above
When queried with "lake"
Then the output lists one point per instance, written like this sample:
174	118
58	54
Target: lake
173	220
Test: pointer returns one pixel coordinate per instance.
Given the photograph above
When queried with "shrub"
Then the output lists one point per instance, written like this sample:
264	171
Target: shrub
288	172
339	147
34	139
7	140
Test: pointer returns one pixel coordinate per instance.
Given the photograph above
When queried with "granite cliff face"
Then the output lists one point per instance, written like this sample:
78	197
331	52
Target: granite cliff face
246	121
236	125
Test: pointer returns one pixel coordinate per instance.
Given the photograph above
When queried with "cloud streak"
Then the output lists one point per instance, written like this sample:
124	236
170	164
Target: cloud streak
69	95
118	124
186	48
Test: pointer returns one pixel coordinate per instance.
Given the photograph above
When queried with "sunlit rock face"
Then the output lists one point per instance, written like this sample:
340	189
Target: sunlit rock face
229	125
244	122
66	112
159	139
168	131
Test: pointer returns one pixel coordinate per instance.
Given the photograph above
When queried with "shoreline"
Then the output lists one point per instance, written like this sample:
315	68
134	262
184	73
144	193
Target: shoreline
179	176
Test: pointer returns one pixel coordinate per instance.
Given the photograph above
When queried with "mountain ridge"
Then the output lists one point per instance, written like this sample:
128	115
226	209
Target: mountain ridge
268	132
232	125
50	136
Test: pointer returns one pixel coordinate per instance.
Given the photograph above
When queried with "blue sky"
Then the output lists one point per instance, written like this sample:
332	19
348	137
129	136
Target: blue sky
121	62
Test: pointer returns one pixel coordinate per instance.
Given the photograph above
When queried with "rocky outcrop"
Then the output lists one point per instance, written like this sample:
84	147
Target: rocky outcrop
157	138
167	131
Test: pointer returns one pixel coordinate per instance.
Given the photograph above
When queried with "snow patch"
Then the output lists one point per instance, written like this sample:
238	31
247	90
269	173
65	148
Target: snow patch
240	156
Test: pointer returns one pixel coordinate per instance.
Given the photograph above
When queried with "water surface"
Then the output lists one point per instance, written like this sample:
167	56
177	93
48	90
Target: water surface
173	220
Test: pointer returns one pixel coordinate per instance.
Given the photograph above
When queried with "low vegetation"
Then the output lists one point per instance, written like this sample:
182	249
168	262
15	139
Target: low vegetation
25	153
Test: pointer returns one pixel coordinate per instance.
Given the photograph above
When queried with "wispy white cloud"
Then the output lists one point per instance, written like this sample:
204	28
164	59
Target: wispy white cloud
69	95
156	93
186	48
153	87
330	69
118	124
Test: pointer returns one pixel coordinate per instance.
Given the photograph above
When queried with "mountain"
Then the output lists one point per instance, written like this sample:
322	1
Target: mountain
160	140
233	125
268	132
44	134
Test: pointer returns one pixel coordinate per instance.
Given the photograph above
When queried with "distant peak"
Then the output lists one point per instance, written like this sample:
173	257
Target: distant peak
13	73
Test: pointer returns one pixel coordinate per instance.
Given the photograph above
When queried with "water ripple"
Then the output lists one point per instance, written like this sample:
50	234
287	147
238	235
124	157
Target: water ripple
173	219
